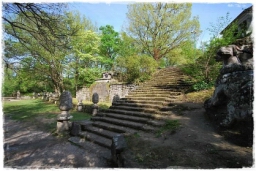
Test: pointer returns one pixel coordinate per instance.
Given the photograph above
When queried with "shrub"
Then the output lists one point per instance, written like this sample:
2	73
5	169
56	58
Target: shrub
135	68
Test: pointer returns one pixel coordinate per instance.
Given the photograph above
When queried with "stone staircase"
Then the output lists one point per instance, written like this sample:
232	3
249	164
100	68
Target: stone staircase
144	109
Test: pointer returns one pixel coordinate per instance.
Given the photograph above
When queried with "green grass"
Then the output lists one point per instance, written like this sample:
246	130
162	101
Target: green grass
170	125
27	110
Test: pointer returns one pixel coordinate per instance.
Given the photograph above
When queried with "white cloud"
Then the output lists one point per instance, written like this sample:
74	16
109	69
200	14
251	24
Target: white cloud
237	5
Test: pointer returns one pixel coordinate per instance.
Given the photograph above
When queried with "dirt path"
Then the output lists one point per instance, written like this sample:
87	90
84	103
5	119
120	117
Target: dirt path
195	145
26	147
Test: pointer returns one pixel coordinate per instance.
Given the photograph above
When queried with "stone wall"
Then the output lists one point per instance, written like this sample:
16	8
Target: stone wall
106	91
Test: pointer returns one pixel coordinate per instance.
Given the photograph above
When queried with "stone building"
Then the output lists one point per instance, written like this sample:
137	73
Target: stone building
244	21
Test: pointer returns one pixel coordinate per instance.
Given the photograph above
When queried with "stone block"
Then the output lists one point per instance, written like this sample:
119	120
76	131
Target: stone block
75	129
62	126
117	148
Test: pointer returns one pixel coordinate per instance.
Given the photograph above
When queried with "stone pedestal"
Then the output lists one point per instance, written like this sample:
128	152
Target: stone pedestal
63	119
63	123
80	106
18	94
95	109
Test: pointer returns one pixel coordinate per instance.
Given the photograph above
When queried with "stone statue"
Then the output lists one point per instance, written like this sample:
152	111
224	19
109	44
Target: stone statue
233	54
232	99
80	105
18	94
65	105
95	107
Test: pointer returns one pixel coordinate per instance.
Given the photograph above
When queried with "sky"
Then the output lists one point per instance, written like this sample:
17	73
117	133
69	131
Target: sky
114	13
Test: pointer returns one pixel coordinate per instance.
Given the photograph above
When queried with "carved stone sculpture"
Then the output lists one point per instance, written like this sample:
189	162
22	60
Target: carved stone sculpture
65	105
233	54
80	105
232	100
95	107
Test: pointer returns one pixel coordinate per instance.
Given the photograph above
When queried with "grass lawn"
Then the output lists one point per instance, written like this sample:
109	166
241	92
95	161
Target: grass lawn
35	111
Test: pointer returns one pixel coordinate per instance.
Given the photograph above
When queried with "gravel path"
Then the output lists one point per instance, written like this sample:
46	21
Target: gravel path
25	147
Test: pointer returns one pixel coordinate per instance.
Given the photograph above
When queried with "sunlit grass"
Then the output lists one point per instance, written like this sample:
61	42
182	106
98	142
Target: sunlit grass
200	96
27	110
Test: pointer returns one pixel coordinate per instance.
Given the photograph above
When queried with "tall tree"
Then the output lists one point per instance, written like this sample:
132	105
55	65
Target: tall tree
42	35
161	27
84	58
110	44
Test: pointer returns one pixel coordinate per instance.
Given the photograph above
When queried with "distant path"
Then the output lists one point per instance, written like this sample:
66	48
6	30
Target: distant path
27	147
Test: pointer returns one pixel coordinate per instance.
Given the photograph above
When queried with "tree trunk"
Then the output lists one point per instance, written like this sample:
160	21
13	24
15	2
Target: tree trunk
156	54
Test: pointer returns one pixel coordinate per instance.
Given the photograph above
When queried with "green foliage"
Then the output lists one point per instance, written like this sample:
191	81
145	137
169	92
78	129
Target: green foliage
202	86
128	46
161	27
110	41
89	75
135	69
170	125
205	69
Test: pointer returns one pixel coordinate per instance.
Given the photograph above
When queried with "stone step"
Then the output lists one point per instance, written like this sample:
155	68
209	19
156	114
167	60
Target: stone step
145	105
160	91
137	109
157	84
129	124
140	105
101	132
148	95
150	99
158	87
90	146
152	96
143	120
146	98
159	115
124	102
115	128
102	141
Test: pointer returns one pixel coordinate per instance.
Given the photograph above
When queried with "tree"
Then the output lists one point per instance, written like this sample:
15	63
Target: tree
110	44
161	27
42	36
84	49
128	46
205	69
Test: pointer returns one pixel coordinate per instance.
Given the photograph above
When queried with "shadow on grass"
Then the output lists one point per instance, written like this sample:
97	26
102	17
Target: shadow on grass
28	109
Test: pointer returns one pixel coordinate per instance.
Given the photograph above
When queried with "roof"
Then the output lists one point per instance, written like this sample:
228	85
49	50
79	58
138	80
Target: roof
247	10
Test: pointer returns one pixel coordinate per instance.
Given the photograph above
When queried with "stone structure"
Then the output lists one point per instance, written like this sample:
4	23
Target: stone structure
244	22
117	148
233	54
80	105
107	75
34	95
63	123
106	91
95	107
18	94
233	96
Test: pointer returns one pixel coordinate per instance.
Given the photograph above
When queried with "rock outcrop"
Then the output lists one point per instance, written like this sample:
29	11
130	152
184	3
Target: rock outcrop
232	101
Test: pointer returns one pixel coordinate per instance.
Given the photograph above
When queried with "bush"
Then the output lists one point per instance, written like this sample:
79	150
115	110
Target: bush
135	69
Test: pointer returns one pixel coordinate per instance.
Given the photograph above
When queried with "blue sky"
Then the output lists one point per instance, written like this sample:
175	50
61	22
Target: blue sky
114	13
